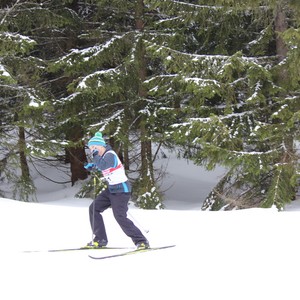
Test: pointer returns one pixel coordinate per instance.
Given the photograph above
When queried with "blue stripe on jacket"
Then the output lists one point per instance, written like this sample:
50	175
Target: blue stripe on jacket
125	187
116	161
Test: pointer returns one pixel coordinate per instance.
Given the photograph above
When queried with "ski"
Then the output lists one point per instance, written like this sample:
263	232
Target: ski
76	249
131	252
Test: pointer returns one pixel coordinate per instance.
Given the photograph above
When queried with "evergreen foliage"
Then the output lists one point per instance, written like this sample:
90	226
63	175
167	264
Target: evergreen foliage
242	114
219	79
26	30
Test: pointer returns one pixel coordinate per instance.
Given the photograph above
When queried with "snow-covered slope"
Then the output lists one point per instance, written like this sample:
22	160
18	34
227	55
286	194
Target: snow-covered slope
249	254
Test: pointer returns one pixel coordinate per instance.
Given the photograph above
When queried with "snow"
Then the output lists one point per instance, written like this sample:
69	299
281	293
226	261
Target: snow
88	53
244	254
3	72
18	37
82	83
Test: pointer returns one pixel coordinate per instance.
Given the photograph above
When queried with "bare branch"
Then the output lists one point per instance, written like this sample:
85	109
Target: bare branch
8	11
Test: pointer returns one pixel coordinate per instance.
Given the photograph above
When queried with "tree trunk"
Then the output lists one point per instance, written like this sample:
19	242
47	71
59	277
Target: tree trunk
76	154
142	93
24	186
23	160
146	152
280	26
148	197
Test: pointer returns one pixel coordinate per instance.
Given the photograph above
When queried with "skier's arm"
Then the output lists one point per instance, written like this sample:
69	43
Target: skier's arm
104	162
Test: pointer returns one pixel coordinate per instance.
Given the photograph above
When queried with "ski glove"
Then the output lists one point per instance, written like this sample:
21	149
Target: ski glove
89	166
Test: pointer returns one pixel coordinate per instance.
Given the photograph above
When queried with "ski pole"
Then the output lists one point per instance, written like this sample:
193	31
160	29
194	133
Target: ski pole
138	223
93	221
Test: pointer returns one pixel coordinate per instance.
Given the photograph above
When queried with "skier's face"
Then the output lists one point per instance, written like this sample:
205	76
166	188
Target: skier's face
100	149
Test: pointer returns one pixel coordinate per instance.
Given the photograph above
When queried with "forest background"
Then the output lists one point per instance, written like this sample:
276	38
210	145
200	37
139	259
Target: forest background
217	82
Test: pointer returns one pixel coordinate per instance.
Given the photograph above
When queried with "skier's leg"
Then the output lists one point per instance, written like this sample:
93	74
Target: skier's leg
100	204
119	204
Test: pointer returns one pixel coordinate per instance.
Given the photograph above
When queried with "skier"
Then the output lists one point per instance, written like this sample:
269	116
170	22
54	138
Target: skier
116	195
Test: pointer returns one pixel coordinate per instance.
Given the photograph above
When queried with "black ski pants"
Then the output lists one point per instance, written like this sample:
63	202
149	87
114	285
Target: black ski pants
119	205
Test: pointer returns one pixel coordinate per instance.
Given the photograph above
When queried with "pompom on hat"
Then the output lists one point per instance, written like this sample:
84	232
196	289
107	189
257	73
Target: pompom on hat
97	140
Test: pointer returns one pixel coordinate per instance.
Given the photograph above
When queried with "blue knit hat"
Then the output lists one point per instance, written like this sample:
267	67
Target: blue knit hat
97	140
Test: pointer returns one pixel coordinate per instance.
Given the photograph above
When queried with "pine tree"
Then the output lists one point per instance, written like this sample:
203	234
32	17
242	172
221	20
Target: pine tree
219	78
130	80
108	86
241	108
27	31
211	66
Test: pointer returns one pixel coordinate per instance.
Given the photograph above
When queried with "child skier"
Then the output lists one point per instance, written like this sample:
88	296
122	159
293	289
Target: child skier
116	195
